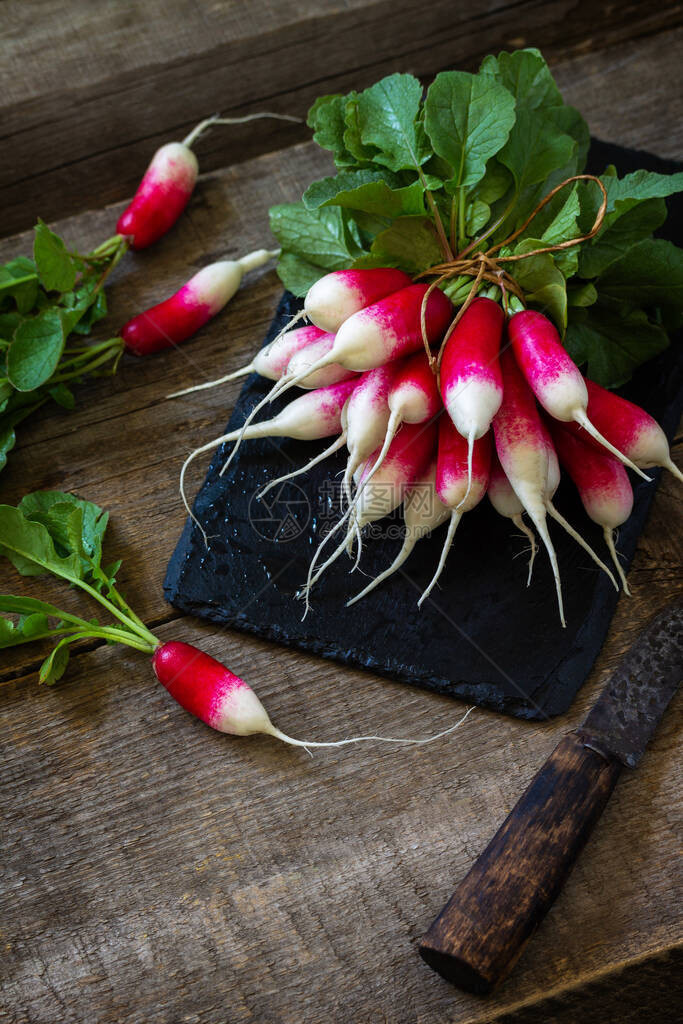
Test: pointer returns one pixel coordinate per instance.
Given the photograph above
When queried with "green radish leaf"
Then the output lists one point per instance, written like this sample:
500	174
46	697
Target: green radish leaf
95	311
33	356
611	344
326	118
29	606
367	191
525	74
478	214
410	243
496	183
468	119
8	439
76	526
57	270
620	233
8	325
363	154
313	242
63	396
30	548
536	147
581	293
19	282
649	274
33	626
564	224
54	666
298	274
388	120
542	282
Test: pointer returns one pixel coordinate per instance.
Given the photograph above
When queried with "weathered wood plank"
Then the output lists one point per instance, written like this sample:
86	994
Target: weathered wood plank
82	128
153	871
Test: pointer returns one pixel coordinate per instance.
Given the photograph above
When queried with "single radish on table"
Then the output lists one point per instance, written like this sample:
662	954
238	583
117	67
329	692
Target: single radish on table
470	377
603	485
340	294
180	316
628	427
168	183
553	376
462	476
423	511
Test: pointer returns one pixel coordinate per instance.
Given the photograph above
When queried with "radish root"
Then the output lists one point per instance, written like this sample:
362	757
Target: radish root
367	739
330	450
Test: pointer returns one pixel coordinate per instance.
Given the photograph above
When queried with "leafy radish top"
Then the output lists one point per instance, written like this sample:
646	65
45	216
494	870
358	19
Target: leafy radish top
422	178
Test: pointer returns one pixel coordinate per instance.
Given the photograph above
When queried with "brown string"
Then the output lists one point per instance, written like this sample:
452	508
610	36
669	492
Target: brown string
485	266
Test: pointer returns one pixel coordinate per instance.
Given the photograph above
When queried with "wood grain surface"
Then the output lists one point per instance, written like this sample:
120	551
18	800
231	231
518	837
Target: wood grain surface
88	90
153	871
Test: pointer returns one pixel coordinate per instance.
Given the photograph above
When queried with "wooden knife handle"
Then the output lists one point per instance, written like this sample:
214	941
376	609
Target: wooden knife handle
481	932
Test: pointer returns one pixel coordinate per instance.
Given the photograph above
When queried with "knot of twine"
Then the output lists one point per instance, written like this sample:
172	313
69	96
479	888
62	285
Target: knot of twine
485	265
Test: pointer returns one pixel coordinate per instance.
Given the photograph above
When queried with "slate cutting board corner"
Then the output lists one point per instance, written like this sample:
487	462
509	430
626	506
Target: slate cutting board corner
485	638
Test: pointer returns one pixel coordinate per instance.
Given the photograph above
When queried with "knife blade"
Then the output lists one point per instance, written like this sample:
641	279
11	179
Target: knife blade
480	934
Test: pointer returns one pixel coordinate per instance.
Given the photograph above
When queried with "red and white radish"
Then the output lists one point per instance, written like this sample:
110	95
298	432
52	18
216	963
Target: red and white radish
310	417
309	356
507	504
413	398
523	453
180	316
423	511
271	361
603	485
629	428
367	417
406	461
470	377
553	376
168	183
340	294
387	330
462	476
223	701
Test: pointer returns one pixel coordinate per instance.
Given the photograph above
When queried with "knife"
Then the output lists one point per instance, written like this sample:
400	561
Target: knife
479	935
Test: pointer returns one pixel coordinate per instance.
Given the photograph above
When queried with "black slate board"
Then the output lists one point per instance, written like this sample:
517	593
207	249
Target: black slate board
484	638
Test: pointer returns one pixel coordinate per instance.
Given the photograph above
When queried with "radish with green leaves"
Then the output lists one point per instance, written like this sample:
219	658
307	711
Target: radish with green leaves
340	294
51	532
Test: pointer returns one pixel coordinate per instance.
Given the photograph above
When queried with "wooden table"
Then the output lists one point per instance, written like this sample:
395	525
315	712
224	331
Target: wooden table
154	871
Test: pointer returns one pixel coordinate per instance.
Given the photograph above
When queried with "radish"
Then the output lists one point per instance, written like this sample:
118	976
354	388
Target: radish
554	378
413	398
603	485
223	701
507	504
337	296
312	416
523	454
385	331
167	185
470	379
423	511
367	417
181	315
629	428
406	461
376	335
270	361
309	356
462	475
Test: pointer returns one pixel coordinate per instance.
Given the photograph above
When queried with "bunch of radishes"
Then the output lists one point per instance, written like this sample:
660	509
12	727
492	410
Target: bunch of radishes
372	386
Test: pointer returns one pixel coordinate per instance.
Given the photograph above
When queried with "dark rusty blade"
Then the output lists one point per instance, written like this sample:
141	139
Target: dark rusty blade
628	710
